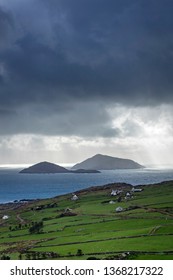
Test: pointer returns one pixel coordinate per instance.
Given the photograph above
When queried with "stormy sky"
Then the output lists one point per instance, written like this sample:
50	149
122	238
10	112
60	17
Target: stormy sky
86	76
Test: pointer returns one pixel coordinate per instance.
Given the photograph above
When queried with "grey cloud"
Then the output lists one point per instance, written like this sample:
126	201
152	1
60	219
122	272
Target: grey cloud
81	119
131	128
64	53
6	24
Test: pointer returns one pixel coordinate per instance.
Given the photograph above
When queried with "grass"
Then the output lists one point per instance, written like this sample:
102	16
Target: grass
144	228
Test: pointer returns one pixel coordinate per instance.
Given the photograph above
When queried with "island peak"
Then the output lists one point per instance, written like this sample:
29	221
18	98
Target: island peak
104	162
46	167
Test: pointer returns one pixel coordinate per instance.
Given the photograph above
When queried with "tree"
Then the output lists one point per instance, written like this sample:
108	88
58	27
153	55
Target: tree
38	255
43	255
28	256
34	255
19	226
36	227
79	252
4	257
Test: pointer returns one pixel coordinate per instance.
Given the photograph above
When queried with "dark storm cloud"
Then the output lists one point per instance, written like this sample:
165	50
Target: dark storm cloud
6	24
88	120
64	54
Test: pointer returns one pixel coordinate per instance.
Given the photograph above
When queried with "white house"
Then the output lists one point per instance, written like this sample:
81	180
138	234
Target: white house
111	202
5	217
136	190
128	194
119	209
116	192
67	210
74	197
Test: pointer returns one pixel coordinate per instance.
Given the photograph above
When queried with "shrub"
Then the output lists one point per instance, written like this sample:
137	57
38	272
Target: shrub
36	227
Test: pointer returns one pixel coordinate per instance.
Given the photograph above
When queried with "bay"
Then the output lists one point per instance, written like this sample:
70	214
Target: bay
16	186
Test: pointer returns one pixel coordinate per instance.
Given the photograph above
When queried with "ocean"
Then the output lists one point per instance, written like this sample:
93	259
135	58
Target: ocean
16	186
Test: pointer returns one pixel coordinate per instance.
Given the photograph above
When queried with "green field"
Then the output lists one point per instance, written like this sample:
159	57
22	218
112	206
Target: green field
90	227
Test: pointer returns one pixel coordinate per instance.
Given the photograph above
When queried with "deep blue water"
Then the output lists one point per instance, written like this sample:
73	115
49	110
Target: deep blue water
15	186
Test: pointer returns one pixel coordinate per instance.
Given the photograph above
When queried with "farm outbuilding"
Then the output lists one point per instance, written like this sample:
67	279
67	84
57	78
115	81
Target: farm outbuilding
119	209
5	217
116	192
136	190
74	197
111	202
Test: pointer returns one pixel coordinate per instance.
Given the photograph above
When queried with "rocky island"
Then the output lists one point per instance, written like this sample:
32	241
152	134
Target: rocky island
51	168
104	162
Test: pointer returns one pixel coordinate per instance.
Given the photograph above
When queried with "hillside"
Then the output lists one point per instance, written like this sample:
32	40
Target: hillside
91	224
103	162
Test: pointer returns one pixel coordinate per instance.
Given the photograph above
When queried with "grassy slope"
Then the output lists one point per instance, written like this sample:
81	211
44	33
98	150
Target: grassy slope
143	231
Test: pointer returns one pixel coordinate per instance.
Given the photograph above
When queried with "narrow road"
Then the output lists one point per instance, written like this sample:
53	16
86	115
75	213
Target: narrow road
22	221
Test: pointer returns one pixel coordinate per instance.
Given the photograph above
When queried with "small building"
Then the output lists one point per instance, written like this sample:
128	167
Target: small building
5	217
67	210
116	192
128	194
74	197
111	202
119	209
136	190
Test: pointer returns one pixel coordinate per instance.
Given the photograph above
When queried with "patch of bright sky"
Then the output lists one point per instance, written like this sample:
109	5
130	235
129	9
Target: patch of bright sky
148	132
145	135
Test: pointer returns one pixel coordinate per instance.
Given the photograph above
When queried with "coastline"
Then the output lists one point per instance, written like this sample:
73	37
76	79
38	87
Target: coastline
14	187
109	186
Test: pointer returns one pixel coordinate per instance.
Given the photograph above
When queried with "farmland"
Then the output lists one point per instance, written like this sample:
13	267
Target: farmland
90	227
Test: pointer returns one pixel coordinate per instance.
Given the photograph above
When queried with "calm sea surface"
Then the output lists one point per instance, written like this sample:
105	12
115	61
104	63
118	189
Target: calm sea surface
15	186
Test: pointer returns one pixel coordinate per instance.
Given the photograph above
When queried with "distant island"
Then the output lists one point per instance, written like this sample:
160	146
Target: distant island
85	171
90	165
51	168
104	162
